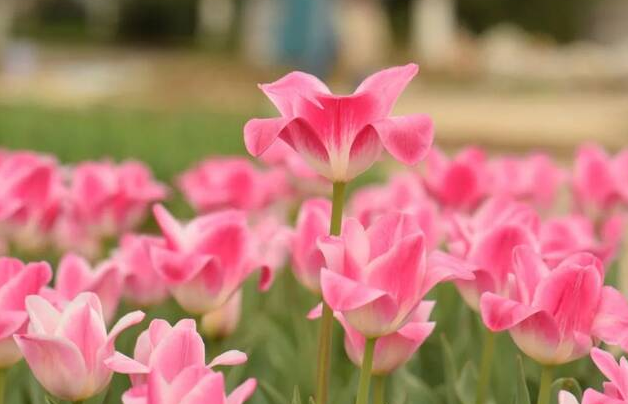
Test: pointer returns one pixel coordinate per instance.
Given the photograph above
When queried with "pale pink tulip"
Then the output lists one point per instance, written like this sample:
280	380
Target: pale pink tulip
75	275
17	281
169	367
66	350
342	136
223	321
556	316
231	182
307	260
599	181
108	199
143	286
377	277
206	260
394	350
485	243
404	192
460	183
534	178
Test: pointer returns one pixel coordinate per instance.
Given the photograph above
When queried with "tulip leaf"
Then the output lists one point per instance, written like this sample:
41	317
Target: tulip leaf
271	393
296	395
50	400
522	395
312	400
466	385
451	372
565	383
409	389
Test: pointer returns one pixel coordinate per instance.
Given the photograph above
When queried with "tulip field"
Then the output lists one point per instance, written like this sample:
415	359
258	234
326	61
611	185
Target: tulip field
329	252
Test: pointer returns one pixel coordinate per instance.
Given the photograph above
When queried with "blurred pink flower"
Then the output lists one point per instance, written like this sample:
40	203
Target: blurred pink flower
377	277
403	192
169	367
231	182
271	241
342	136
205	261
485	242
599	181
17	281
615	390
66	350
460	183
75	276
534	178
223	321
108	199
307	260
393	350
556	316
143	286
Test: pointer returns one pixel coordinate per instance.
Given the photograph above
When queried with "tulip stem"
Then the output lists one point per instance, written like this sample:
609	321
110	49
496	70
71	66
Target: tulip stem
325	337
3	380
486	365
365	375
379	389
546	384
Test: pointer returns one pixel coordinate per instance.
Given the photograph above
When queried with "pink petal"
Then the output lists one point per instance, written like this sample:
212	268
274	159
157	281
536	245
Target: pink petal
499	313
300	135
125	322
27	281
564	397
208	389
611	322
365	150
609	367
56	363
529	269
407	138
74	275
182	348
242	392
443	267
593	397
290	89
121	363
177	268
388	85
316	312
229	358
260	134
11	322
170	227
344	294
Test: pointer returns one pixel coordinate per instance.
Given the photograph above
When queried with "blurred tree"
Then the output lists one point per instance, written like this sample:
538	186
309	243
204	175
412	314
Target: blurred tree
158	21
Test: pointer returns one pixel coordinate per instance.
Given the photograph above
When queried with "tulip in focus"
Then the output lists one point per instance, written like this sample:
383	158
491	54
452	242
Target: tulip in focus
556	316
167	358
66	350
143	286
376	277
393	350
17	281
342	136
205	261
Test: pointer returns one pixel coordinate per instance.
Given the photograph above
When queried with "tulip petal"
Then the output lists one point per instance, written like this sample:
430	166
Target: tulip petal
210	388
611	322
121	363
365	150
170	227
11	322
609	367
260	134
74	275
388	84
229	358
177	268
181	349
125	322
300	135
56	363
500	313
407	138
290	89
26	281
565	397
342	293
243	392
529	269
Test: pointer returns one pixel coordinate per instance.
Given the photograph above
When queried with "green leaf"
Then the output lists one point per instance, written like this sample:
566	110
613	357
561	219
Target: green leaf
50	400
466	385
272	394
451	372
296	396
312	400
410	389
566	383
522	395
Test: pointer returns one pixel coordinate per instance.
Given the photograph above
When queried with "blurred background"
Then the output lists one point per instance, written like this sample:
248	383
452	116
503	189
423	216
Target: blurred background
78	76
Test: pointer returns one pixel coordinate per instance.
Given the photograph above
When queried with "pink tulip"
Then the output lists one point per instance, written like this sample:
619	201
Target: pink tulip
394	350
108	199
17	281
564	236
403	192
168	358
599	180
342	136
534	179
231	182
557	316
66	350
223	321
377	277
205	261
485	243
616	389
307	260
143	286
75	276
271	240
460	183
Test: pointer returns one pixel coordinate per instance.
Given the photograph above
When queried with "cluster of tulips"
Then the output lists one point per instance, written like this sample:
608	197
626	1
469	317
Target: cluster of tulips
489	225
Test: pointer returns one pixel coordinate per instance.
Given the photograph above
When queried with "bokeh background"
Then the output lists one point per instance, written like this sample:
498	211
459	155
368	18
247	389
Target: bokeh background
173	81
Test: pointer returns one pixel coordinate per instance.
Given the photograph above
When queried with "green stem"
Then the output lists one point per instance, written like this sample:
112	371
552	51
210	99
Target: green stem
3	381
485	367
546	384
325	337
365	375
379	389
